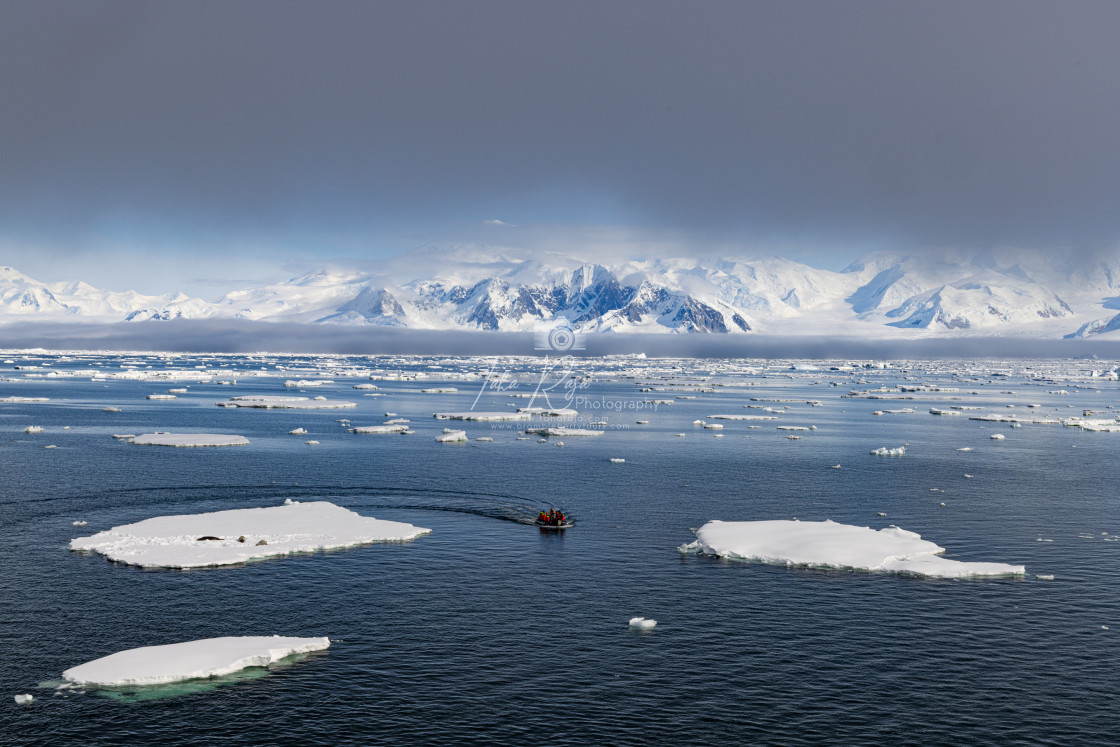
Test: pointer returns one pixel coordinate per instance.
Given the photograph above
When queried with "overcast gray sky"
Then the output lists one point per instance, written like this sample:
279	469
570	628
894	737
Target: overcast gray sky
246	131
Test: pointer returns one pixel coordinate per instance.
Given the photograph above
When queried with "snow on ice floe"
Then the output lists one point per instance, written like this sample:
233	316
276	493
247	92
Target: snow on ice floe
483	416
561	431
382	429
243	535
884	451
287	403
175	662
826	544
188	439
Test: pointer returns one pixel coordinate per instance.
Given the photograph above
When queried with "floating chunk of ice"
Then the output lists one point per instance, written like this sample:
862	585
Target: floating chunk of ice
439	390
33	429
997	436
79	523
14	400
312	443
298	431
884	451
562	412
210	657
380	429
561	431
172	541
111	409
484	438
189	439
827	544
24	699
452	437
287	403
641	623
617	460
965	448
483	416
162	396
1045	576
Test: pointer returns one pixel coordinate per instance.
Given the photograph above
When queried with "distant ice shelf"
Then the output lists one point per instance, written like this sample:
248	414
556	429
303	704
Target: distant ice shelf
175	662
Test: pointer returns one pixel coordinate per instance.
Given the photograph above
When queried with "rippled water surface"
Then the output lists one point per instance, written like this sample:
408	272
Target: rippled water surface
489	630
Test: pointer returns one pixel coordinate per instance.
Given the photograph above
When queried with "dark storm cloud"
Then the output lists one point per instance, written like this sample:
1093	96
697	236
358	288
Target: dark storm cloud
914	122
238	336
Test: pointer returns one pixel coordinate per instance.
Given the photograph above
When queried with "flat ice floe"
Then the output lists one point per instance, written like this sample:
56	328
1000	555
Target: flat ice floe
381	429
561	431
175	662
452	436
826	544
287	403
242	535
483	416
188	439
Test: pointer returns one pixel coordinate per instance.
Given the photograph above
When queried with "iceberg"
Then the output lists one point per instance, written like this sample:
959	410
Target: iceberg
884	451
826	544
174	662
243	535
188	439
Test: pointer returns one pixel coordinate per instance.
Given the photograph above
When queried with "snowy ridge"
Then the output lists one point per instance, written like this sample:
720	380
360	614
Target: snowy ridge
508	290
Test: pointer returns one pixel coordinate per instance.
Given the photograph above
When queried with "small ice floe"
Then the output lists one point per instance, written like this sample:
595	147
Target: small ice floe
794	438
1104	627
366	386
162	396
390	414
177	541
1045	576
24	699
965	448
967	476
641	623
997	436
78	523
562	431
884	451
483	416
881	514
559	443
936	411
287	403
826	544
289	501
174	662
485	439
617	460
836	466
680	435
452	437
312	443
439	390
381	429
713	426
189	439
18	400
124	436
642	422
551	412
50	446
698	422
111	409
33	429
176	391
305	383
298	432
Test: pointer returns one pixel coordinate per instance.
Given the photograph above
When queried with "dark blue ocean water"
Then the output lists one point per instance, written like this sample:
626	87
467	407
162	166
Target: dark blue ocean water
490	631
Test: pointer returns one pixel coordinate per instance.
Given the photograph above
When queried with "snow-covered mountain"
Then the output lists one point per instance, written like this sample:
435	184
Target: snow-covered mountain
502	289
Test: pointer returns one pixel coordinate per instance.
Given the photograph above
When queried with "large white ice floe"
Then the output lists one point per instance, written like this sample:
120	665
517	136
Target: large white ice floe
287	403
241	535
826	544
188	439
175	662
